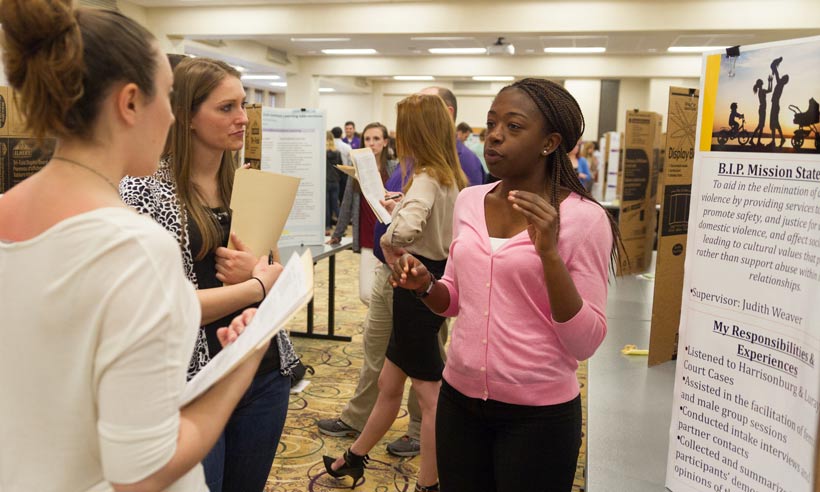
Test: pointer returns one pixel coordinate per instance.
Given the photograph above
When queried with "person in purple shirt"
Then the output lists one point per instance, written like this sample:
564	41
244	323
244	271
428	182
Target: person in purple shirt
470	163
351	137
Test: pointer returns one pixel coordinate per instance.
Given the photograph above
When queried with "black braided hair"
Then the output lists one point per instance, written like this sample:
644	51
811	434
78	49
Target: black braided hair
563	115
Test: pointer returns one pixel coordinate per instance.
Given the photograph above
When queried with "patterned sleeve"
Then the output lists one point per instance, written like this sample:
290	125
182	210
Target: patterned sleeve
136	193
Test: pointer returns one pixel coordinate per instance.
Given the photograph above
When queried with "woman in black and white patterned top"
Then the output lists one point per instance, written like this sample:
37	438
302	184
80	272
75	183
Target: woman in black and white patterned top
189	195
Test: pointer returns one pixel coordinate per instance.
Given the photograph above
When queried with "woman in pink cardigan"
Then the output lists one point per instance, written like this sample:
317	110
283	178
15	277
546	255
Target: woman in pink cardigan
527	278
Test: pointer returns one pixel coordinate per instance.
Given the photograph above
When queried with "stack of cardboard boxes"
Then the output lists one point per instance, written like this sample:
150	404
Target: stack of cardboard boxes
253	136
20	154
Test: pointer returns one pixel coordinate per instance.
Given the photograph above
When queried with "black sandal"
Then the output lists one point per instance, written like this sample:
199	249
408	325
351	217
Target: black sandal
353	467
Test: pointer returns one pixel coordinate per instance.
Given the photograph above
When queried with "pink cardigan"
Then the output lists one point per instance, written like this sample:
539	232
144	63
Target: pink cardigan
505	345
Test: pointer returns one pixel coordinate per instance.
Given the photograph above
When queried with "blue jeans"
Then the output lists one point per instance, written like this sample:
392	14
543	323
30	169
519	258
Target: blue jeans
241	459
331	203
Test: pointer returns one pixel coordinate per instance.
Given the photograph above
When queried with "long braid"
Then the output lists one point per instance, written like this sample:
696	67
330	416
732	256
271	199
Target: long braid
563	114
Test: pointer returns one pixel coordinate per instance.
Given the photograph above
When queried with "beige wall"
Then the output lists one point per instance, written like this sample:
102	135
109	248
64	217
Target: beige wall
588	95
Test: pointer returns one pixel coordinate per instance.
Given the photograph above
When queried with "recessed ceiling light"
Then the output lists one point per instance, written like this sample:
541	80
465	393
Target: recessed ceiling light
261	77
493	78
319	40
351	51
413	77
279	84
458	51
439	38
327	89
529	50
694	49
575	50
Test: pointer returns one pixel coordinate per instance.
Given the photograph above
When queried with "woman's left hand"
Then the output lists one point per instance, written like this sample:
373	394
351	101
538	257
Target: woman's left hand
234	266
229	334
542	220
391	253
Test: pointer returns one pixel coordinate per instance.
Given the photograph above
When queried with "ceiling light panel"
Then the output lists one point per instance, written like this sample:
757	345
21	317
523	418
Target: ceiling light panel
350	51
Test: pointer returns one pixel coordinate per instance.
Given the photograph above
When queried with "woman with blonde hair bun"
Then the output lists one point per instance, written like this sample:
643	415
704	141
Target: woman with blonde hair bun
104	321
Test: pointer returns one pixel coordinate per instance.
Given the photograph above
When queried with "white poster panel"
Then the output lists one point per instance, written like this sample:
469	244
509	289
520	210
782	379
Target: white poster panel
613	163
293	143
747	382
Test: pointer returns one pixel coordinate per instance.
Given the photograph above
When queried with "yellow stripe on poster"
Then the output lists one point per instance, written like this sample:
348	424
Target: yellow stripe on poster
709	96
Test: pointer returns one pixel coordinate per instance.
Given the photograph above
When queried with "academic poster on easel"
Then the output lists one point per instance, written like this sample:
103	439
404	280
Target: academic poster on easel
745	415
293	143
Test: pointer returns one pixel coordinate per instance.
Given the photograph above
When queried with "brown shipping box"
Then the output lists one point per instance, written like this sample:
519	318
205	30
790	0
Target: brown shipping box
253	133
5	110
674	221
20	154
638	183
22	157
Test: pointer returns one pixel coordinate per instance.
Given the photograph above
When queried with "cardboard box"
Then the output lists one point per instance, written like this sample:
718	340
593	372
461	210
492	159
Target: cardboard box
5	109
22	157
253	133
16	123
674	220
638	182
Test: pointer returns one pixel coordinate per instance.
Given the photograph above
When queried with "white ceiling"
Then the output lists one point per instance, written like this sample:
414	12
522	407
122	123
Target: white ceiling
635	32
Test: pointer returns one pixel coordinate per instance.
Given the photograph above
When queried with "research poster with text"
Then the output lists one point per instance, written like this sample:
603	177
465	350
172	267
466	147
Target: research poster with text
293	143
747	381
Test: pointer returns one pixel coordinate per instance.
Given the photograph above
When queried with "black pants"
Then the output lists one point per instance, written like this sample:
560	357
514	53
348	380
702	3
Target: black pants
490	446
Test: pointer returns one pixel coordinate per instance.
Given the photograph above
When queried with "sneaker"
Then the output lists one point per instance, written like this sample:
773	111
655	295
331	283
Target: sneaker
404	446
336	428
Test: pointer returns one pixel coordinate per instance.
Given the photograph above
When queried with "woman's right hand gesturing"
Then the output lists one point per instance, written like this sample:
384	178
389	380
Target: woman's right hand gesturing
409	273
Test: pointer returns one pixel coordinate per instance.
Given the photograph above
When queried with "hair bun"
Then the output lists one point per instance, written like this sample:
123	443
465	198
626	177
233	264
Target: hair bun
30	25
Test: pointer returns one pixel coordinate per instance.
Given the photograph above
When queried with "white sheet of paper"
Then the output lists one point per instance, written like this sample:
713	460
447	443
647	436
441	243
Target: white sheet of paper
370	181
300	386
292	290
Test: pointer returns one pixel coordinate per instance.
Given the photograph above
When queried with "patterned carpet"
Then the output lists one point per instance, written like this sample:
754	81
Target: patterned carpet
298	464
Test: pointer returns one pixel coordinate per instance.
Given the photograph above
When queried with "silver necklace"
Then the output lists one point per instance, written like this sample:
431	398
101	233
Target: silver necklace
89	168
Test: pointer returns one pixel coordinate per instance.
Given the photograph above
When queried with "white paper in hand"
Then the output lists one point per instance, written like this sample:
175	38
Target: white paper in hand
370	181
292	290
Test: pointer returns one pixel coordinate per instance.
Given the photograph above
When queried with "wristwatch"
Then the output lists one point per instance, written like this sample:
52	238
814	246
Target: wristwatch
422	295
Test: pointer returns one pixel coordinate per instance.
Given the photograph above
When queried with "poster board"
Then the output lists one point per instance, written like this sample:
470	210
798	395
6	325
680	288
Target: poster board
292	142
675	196
611	151
745	414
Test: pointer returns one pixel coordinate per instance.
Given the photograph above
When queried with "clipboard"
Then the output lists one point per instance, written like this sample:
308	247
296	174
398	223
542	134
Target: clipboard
370	182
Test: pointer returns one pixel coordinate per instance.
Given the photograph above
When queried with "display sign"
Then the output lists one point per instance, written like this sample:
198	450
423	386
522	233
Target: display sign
745	415
674	219
292	142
